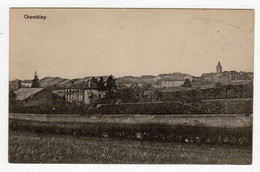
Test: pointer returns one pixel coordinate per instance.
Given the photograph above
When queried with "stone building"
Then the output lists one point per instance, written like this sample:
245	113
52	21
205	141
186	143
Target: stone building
227	77
27	97
26	83
82	93
169	83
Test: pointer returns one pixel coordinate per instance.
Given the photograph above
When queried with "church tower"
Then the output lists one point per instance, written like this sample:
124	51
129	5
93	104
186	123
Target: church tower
219	68
35	81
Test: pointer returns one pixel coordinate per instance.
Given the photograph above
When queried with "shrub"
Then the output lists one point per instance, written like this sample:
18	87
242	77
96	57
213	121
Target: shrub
150	131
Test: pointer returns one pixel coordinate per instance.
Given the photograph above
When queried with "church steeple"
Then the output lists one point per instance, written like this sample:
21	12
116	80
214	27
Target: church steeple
35	74
219	68
35	81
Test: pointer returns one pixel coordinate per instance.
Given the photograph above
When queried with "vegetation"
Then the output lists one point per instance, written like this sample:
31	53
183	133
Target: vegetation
236	106
146	93
111	83
101	84
12	97
233	106
187	84
145	131
218	92
51	148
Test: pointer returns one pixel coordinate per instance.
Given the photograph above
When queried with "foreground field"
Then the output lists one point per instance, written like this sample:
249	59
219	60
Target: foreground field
27	147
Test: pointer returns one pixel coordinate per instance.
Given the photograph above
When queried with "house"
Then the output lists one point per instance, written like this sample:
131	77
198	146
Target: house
62	84
169	83
156	85
174	76
28	97
131	81
15	84
49	81
201	83
74	92
60	93
82	93
149	79
221	78
233	75
26	83
91	94
208	76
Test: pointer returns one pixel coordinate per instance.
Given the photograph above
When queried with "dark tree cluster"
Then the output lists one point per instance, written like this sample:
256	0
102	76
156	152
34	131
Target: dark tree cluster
102	85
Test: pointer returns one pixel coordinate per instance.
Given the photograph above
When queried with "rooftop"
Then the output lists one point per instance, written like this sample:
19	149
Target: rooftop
24	93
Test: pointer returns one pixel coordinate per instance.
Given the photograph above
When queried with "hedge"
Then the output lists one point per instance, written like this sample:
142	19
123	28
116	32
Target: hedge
151	131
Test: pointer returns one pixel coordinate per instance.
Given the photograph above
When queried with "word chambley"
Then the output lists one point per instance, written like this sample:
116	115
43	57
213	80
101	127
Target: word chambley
26	16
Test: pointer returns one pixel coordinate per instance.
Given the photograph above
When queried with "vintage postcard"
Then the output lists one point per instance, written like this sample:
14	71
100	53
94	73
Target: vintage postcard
131	86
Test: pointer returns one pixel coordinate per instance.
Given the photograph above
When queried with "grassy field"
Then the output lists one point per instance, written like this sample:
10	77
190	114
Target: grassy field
29	147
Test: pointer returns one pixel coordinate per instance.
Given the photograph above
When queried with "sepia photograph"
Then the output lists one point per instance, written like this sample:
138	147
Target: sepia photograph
131	86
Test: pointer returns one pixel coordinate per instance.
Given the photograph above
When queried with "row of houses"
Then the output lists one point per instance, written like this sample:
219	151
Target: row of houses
162	81
177	80
77	91
82	91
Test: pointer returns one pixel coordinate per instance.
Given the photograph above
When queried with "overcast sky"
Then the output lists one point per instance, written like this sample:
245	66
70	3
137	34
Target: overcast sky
74	43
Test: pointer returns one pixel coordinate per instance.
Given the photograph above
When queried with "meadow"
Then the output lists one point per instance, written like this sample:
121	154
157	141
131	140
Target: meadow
30	147
178	139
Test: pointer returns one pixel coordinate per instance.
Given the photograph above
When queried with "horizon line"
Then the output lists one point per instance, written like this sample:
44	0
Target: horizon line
129	75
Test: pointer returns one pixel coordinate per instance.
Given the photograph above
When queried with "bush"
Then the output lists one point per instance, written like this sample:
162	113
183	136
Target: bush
150	131
64	109
234	106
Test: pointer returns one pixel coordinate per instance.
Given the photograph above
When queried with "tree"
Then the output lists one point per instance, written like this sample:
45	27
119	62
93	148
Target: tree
12	96
101	84
158	95
141	92
240	89
111	95
217	90
19	84
193	94
126	94
94	80
111	83
187	83
35	81
227	88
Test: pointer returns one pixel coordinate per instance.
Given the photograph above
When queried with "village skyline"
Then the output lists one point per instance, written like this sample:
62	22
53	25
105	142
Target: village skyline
119	76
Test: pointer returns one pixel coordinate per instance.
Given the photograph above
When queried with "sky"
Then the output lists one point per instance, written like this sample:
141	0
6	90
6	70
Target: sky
75	43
